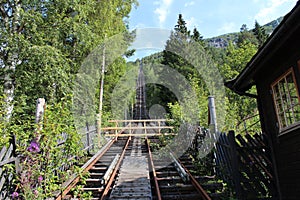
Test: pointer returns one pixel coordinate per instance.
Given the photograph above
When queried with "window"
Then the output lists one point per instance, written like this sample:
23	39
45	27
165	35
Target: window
286	100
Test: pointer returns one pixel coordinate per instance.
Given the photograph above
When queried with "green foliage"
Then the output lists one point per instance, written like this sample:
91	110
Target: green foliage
239	108
246	36
4	139
222	41
260	34
45	152
43	45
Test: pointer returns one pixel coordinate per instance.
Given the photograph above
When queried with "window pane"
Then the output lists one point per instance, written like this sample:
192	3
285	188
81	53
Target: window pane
282	120
292	90
297	113
286	100
289	116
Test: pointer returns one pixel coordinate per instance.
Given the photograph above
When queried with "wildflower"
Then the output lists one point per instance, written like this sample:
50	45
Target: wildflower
35	192
15	195
40	178
34	147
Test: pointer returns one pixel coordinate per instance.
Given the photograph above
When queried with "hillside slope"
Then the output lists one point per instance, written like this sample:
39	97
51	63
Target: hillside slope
222	41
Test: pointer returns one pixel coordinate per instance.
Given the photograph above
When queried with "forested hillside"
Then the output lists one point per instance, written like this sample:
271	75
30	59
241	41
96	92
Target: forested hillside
223	41
241	112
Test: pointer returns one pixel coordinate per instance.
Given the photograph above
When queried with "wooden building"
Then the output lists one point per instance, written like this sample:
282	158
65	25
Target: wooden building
275	71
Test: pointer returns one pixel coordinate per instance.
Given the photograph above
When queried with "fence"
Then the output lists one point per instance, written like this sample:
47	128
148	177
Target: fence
6	177
245	164
8	158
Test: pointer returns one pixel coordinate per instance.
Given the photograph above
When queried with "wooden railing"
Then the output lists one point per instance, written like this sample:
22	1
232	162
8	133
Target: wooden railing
146	127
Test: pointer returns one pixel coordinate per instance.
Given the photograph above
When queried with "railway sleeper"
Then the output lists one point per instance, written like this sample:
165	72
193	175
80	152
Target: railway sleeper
193	196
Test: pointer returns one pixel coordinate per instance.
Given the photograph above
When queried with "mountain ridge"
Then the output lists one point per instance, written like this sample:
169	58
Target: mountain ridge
222	41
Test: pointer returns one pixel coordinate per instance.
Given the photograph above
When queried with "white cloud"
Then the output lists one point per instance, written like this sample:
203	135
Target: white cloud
191	3
267	13
163	10
228	27
191	23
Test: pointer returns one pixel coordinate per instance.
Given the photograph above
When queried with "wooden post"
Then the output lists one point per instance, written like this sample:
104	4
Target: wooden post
116	131
235	165
159	127
212	114
88	137
101	98
40	109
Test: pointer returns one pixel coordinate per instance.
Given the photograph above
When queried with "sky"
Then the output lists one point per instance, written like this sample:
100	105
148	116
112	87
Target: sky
210	17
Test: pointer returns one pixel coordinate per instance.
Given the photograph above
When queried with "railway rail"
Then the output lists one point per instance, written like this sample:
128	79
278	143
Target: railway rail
125	167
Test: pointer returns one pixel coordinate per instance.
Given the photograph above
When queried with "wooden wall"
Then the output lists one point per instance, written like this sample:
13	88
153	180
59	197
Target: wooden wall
286	147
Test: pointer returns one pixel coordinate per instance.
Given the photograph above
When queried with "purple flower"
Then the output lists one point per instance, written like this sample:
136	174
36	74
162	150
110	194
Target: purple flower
15	195
34	147
40	178
35	192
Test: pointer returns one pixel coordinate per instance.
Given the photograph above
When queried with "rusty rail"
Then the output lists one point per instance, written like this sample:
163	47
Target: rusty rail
157	190
112	177
199	188
69	184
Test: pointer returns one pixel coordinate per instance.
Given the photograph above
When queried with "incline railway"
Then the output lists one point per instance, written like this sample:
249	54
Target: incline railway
126	169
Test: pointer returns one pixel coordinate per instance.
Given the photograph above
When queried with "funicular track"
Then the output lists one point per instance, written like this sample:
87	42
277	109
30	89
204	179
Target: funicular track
125	168
172	179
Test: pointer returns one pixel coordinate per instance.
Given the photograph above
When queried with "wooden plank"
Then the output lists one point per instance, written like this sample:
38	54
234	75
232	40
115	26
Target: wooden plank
5	158
136	134
235	166
262	160
223	157
254	171
2	153
2	182
257	163
9	160
7	155
141	120
227	152
136	127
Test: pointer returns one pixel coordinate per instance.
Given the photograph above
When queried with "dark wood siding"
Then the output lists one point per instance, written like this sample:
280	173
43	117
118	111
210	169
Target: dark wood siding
286	146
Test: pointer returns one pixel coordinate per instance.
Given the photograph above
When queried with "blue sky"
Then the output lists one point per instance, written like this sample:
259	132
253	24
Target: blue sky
154	19
210	17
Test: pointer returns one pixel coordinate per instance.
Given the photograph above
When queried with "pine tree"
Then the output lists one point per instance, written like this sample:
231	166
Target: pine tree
197	37
246	36
180	27
178	40
260	34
